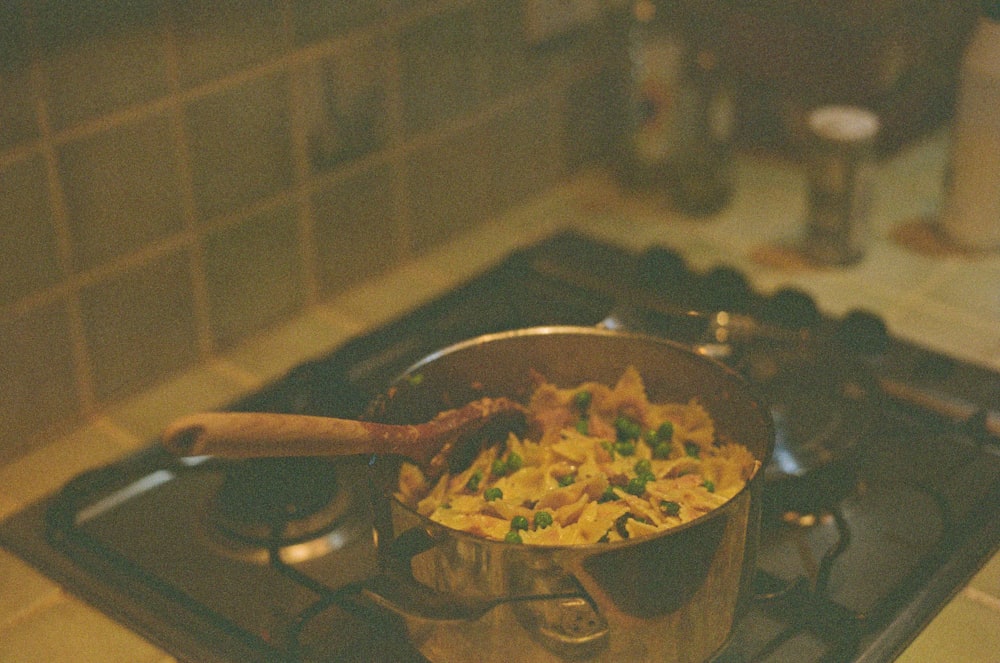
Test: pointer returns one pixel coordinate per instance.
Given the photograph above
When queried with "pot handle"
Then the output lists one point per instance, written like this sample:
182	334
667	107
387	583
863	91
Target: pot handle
712	334
396	590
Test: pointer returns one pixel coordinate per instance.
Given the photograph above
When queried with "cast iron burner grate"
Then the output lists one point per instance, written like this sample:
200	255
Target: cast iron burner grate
881	502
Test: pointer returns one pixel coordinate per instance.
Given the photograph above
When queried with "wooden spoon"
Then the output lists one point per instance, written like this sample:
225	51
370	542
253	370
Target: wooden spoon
266	435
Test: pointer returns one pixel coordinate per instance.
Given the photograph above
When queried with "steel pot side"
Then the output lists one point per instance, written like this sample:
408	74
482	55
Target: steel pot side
671	597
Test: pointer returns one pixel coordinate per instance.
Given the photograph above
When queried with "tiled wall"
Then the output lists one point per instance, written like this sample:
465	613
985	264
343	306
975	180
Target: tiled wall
178	174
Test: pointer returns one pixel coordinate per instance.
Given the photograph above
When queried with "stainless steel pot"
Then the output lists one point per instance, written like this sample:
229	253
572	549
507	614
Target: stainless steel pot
671	597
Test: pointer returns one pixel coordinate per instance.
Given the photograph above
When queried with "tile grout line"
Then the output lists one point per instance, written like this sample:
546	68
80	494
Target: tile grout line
71	297
394	154
296	101
391	70
194	242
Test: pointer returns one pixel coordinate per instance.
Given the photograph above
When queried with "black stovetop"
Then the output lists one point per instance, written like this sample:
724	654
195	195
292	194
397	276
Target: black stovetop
882	499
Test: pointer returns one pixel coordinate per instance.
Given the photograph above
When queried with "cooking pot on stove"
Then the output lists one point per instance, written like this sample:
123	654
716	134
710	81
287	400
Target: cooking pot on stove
670	597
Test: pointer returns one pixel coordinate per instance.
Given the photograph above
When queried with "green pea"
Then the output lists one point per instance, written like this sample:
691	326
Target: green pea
518	522
499	468
626	448
543	519
567	480
582	399
643	468
620	523
512	537
582	427
670	508
636	486
609	495
691	449
665	432
514	461
662	450
493	493
473	483
709	485
627	429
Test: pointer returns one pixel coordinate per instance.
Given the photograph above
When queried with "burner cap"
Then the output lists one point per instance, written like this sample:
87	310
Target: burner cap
820	412
276	502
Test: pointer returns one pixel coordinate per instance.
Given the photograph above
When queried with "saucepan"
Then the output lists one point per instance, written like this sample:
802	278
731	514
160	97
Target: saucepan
674	596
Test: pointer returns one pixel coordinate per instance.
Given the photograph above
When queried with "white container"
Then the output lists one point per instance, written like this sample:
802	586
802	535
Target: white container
970	214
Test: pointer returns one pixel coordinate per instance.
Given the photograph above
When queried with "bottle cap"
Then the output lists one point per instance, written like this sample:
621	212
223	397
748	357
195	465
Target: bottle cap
844	124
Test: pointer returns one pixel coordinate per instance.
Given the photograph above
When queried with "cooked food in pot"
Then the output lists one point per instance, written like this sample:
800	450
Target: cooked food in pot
601	463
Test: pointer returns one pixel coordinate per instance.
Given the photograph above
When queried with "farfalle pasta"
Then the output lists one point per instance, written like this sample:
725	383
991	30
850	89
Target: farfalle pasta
601	463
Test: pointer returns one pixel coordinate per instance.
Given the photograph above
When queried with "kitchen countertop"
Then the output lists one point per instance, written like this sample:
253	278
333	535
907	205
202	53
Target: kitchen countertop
926	292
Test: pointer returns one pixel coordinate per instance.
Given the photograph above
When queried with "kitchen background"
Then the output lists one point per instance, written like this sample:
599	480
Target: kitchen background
178	175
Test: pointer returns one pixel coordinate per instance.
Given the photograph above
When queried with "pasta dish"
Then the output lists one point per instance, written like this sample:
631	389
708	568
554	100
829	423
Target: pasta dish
599	463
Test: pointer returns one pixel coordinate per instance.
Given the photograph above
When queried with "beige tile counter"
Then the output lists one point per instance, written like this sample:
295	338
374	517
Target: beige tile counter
943	300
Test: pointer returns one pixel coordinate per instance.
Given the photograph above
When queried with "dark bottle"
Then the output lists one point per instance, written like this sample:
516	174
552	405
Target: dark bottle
678	133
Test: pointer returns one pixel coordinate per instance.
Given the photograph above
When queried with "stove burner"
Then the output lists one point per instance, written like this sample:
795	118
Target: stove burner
894	481
819	417
289	506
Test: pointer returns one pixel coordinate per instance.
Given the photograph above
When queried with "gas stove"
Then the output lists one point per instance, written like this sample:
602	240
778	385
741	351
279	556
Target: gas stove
882	498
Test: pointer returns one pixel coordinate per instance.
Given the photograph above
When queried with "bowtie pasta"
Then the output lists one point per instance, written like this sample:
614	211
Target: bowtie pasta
601	464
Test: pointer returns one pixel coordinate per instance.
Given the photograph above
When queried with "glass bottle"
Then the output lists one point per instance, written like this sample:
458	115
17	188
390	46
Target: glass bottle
678	136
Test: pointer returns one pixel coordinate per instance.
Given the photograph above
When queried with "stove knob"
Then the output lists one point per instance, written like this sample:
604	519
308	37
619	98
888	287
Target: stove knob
977	427
724	289
663	271
933	367
863	332
792	309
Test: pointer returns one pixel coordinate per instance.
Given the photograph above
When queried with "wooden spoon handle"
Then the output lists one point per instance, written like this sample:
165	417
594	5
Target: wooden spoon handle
263	434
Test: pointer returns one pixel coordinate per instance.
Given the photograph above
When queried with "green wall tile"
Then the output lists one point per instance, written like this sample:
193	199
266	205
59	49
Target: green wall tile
216	39
354	230
37	383
254	274
441	73
240	144
100	57
28	243
122	190
344	110
139	326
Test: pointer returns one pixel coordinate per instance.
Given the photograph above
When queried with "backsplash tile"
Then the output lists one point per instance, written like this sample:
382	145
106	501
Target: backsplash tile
316	20
139	326
216	39
506	57
253	273
122	190
37	376
355	230
240	141
28	242
17	98
441	72
449	186
343	104
176	175
521	144
99	56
